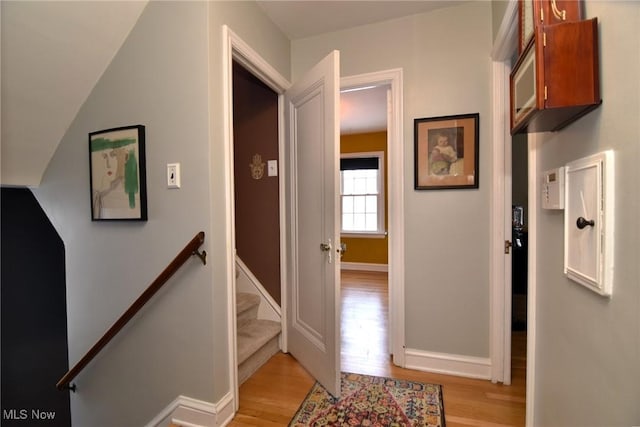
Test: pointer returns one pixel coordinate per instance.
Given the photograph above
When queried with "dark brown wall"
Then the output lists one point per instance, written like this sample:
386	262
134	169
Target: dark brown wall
255	131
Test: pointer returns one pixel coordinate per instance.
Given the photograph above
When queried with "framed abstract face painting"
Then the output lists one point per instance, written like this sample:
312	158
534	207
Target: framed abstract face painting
446	152
118	178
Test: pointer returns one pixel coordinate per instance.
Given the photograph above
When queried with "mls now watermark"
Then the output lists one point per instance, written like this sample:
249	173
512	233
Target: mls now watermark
28	414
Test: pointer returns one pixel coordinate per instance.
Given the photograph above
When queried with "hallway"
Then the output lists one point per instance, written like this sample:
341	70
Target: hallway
272	395
365	322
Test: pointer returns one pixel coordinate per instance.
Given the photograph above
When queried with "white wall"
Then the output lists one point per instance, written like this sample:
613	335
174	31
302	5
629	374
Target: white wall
588	347
445	58
498	8
167	76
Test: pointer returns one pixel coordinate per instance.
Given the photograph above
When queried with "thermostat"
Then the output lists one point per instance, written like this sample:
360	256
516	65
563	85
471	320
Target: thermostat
553	189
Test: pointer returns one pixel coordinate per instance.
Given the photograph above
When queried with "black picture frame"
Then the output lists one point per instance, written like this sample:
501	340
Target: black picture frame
117	174
446	152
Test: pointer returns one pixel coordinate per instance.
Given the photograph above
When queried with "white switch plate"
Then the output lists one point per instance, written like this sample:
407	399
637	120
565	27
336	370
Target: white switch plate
272	168
173	175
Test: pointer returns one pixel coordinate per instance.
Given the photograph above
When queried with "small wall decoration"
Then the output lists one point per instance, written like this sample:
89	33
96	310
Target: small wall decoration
446	152
257	167
118	179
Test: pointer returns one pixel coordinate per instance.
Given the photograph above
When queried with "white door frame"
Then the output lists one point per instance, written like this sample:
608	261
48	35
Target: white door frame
234	48
500	310
501	285
395	193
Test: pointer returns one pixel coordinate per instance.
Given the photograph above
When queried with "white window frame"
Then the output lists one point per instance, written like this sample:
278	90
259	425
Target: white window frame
381	231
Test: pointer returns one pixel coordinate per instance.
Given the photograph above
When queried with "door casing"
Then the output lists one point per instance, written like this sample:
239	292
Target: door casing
234	48
501	284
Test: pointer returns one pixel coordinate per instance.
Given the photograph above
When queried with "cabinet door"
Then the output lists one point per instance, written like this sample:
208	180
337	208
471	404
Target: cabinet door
547	12
570	72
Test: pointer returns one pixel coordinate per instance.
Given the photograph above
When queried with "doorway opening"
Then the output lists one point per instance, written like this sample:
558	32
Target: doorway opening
365	345
519	256
256	202
516	159
379	95
310	331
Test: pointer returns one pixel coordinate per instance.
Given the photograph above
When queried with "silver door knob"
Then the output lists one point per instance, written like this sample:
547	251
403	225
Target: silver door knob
325	247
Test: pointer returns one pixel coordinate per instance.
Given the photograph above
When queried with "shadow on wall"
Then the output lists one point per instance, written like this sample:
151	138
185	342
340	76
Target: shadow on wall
34	315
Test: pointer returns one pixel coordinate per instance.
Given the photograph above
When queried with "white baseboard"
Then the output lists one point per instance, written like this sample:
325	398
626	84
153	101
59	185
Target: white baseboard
187	412
225	410
449	364
364	266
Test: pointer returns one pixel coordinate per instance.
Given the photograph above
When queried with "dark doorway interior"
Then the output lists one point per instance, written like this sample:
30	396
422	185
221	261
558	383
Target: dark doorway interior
257	204
34	314
520	232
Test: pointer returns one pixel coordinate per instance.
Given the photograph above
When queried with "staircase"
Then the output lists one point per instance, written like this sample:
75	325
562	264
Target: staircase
257	339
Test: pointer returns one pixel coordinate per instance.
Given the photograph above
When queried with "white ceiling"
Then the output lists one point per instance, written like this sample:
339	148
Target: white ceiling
305	18
363	110
52	57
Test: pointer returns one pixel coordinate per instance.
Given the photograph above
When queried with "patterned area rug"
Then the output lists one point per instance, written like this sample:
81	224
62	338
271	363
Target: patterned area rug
373	401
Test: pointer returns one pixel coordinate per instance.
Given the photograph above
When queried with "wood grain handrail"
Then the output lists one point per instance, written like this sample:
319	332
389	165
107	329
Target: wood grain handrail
179	260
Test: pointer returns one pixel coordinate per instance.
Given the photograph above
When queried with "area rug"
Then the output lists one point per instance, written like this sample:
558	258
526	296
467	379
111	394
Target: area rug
373	401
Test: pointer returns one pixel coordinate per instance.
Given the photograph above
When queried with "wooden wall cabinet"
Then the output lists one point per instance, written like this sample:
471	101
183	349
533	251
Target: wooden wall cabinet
556	79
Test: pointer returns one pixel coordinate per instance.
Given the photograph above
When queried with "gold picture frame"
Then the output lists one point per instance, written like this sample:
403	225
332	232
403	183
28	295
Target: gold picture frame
446	152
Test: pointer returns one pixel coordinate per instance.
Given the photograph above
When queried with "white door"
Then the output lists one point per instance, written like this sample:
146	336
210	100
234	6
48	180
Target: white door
313	291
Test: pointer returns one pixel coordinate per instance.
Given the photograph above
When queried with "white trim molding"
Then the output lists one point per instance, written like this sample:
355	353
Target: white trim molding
449	364
246	281
500	295
228	38
188	412
363	266
380	231
532	278
503	48
500	312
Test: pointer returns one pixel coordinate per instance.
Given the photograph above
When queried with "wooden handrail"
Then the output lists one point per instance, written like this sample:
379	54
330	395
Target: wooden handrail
181	258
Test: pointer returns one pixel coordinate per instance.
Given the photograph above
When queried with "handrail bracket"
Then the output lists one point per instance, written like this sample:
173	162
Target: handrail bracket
202	255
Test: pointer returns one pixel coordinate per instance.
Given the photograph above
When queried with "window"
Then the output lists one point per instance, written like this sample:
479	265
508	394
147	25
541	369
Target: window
362	193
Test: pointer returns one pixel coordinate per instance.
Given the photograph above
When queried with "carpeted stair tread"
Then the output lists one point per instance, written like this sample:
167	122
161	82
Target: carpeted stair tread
246	301
246	308
253	335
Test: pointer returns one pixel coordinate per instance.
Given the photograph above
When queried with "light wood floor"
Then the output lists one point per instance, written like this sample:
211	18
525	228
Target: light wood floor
273	394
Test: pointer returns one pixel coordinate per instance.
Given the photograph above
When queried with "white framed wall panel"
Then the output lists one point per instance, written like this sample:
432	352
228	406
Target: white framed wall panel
588	222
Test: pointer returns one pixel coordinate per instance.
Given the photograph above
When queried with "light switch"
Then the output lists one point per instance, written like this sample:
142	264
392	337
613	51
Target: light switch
173	175
272	168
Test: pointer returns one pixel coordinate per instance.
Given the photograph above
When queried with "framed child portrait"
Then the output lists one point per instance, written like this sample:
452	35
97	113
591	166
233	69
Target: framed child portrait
446	152
117	174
